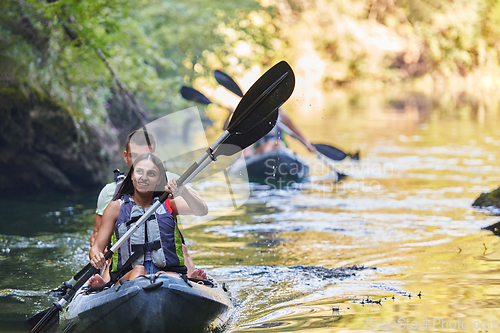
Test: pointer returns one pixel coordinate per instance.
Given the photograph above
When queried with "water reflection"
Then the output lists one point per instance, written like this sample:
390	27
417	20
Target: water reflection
404	214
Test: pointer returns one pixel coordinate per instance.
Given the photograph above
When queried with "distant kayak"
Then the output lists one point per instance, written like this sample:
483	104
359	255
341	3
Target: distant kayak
278	167
151	303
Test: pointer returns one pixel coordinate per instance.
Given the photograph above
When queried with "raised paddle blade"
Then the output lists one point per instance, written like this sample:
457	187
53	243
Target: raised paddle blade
239	141
330	152
267	94
194	95
261	101
227	82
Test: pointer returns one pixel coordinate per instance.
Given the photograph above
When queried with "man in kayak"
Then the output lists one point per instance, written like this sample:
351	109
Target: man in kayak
156	247
275	139
138	142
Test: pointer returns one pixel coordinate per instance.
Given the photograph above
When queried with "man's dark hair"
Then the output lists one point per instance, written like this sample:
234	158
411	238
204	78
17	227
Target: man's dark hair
141	138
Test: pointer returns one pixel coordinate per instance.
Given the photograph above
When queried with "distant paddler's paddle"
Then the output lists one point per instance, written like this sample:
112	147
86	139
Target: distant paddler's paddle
227	82
251	120
194	95
334	153
331	152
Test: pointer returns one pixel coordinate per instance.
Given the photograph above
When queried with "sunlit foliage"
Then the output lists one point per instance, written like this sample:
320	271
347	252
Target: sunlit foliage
386	41
151	46
155	46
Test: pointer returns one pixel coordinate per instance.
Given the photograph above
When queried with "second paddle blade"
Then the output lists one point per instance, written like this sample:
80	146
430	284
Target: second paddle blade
49	325
194	95
239	141
331	152
226	81
267	94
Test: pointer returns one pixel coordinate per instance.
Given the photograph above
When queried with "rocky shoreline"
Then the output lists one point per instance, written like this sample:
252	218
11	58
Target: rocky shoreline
45	148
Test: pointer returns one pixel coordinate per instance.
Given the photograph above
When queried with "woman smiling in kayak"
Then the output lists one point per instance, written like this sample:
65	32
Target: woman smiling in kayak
157	245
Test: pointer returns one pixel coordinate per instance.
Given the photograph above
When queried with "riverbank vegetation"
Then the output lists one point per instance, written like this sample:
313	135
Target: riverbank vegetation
117	62
85	52
81	52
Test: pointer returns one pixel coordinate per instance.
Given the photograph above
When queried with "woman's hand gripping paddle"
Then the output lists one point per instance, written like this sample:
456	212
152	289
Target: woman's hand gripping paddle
254	117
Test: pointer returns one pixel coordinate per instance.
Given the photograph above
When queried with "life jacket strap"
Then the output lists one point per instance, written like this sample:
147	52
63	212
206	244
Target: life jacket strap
136	218
143	248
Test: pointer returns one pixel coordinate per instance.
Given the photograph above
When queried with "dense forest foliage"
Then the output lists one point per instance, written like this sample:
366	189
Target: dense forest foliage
445	44
117	63
82	52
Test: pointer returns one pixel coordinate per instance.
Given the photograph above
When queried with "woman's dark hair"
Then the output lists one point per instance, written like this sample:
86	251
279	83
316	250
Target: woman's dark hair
127	186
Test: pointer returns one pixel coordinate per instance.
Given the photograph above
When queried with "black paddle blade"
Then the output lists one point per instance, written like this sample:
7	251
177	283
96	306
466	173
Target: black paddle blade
239	141
194	95
48	320
330	152
70	327
267	94
227	82
45	322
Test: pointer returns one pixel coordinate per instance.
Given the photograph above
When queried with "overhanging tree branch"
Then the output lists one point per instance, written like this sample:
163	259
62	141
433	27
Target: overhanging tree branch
137	109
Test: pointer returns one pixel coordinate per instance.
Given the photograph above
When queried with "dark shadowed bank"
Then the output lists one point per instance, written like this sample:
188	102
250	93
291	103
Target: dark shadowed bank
100	60
44	148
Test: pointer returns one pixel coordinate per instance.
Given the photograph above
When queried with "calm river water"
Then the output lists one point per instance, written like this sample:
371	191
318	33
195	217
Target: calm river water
397	241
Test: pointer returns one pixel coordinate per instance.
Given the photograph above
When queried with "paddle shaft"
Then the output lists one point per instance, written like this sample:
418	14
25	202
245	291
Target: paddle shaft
227	82
89	270
193	170
254	109
290	132
320	156
201	162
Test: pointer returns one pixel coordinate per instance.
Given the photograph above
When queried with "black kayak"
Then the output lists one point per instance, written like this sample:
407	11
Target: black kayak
278	167
151	303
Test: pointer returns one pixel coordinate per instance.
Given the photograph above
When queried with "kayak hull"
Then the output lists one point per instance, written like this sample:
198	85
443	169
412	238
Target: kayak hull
278	167
164	304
